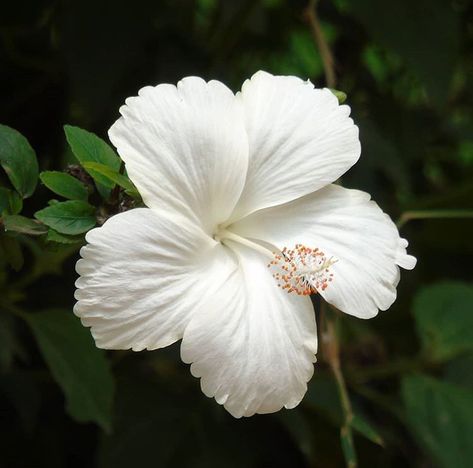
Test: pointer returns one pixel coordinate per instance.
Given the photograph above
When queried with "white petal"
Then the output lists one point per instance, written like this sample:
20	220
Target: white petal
142	276
185	148
252	345
300	140
344	224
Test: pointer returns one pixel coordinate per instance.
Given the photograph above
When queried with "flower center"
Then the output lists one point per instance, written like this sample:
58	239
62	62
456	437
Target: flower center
222	234
302	270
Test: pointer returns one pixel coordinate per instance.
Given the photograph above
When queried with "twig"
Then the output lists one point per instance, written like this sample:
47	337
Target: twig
331	353
116	190
321	43
433	214
357	375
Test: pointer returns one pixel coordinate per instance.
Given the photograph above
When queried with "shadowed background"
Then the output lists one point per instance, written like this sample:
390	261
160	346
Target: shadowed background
407	68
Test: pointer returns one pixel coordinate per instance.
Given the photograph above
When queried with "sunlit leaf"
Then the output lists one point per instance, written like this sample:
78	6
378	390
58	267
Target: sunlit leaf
18	159
65	185
88	147
79	367
70	217
98	171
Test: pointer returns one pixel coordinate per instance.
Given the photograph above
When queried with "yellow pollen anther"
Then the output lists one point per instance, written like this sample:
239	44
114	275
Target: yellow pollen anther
302	270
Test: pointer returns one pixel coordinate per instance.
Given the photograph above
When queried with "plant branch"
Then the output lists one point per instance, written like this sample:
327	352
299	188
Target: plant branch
116	190
433	214
321	43
390	369
331	352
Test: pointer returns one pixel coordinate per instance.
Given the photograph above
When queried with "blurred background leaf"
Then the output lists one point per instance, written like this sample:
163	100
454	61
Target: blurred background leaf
407	71
441	416
444	317
78	366
18	160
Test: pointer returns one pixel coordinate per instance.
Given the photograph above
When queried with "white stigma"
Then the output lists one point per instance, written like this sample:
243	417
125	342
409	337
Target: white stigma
302	270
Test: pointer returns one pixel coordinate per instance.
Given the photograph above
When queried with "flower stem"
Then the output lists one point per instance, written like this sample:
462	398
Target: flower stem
331	353
433	214
321	43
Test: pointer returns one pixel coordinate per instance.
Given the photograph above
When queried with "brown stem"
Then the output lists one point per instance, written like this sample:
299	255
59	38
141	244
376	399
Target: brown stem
321	43
331	352
116	190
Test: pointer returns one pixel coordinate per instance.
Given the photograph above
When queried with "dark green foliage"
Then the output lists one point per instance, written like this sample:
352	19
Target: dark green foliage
360	424
432	54
440	415
18	160
23	225
444	316
64	185
100	172
77	365
70	217
404	68
11	251
88	147
10	201
54	236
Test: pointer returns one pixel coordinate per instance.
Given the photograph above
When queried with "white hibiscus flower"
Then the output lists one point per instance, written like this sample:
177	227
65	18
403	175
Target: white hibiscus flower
242	223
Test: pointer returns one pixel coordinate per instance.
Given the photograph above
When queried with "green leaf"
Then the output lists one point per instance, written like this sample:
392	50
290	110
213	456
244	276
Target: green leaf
47	261
444	319
18	159
70	217
24	225
54	236
440	416
98	171
10	201
78	366
88	147
361	425
458	371
348	447
340	95
64	185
